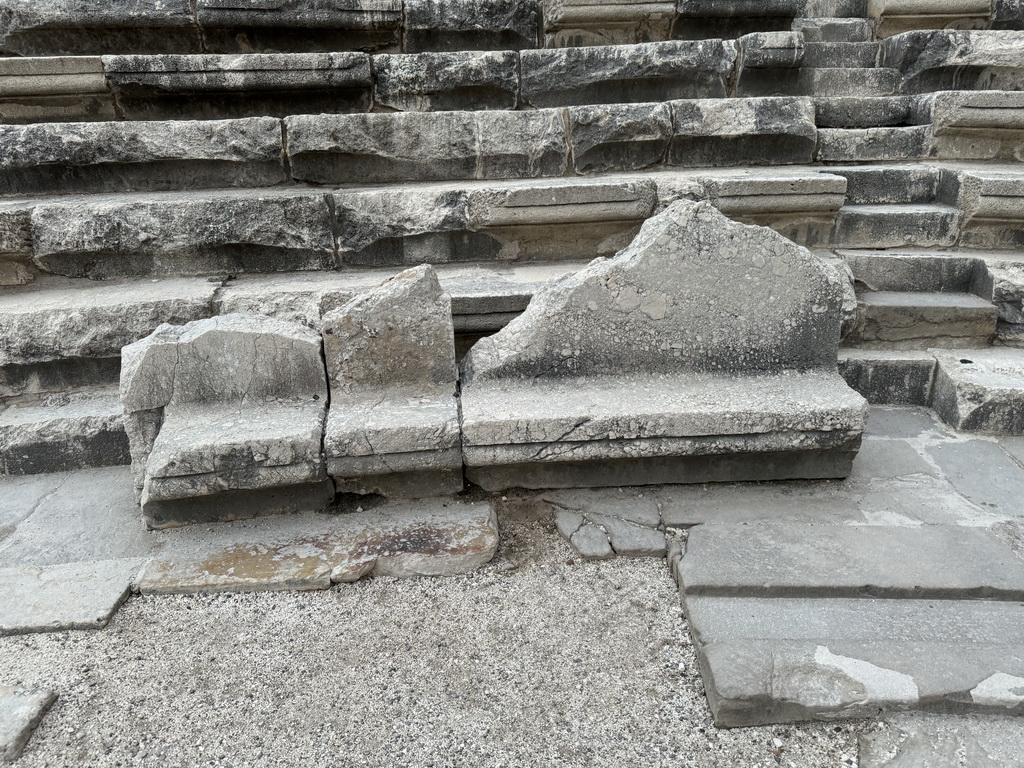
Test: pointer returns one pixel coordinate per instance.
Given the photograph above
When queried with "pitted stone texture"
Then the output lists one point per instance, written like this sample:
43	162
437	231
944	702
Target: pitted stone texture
470	25
957	59
60	597
620	137
20	713
980	390
574	23
94	27
652	294
16	243
127	156
645	72
627	523
431	82
944	741
57	318
754	131
394	423
233	405
418	146
211	86
889	377
179	233
404	539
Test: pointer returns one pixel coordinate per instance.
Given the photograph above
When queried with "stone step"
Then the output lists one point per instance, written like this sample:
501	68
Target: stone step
919	271
851	561
828	54
889	376
924	225
919	320
890	184
848	80
981	390
932	59
895	17
872	145
868	111
834	30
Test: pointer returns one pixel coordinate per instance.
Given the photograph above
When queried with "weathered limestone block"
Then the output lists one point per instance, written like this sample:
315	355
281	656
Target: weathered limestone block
16	266
643	72
894	17
754	131
575	23
992	202
889	377
769	63
1002	282
983	125
619	137
470	25
245	85
853	145
393	425
432	82
643	368
867	111
948	59
425	146
297	297
225	420
283	26
53	88
95	27
980	390
144	156
178	233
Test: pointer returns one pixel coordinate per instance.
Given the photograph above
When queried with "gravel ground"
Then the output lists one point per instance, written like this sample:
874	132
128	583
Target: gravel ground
535	660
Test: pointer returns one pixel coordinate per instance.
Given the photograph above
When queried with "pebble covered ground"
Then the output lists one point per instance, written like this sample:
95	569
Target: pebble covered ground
538	659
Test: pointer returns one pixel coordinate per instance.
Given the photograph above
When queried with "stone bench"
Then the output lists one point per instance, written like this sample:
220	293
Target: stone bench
705	351
225	420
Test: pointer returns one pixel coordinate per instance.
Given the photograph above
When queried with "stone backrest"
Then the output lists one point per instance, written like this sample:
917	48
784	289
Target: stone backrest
694	292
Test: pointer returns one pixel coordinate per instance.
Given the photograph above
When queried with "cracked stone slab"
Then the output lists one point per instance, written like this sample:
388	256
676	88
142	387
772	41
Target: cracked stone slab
431	537
21	710
629	522
81	595
813	561
919	740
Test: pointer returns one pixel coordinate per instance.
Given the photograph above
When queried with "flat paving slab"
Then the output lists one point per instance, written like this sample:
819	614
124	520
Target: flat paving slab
81	595
20	713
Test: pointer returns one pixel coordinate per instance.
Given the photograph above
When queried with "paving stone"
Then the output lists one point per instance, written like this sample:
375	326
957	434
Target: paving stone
19	498
817	561
979	390
899	422
920	740
308	551
430	82
21	710
629	523
983	472
883	459
79	595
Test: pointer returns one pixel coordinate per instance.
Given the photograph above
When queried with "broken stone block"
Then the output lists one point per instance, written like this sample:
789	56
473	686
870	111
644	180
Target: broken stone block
576	23
742	131
992	202
619	137
545	402
957	59
93	28
53	88
432	82
985	125
645	72
181	233
393	425
246	85
629	525
470	25
225	420
889	377
899	17
314	26
425	146
980	390
20	712
52	158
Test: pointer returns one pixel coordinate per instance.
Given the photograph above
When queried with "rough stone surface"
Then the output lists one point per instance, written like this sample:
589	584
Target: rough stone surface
956	59
944	741
646	72
889	377
391	365
417	146
231	404
919	225
979	390
620	137
918	320
574	23
20	713
431	82
432	25
184	233
405	539
81	595
210	86
585	517
982	125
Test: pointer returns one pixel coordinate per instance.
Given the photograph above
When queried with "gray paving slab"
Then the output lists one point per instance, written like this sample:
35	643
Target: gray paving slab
20	713
983	472
20	496
81	595
86	515
926	740
774	561
888	459
900	422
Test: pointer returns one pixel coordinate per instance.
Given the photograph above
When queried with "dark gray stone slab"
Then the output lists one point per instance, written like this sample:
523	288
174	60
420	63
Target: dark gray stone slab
889	184
851	145
956	59
211	86
620	137
80	595
804	561
330	149
900	422
888	377
20	712
56	158
983	472
644	72
864	111
184	233
431	82
470	25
